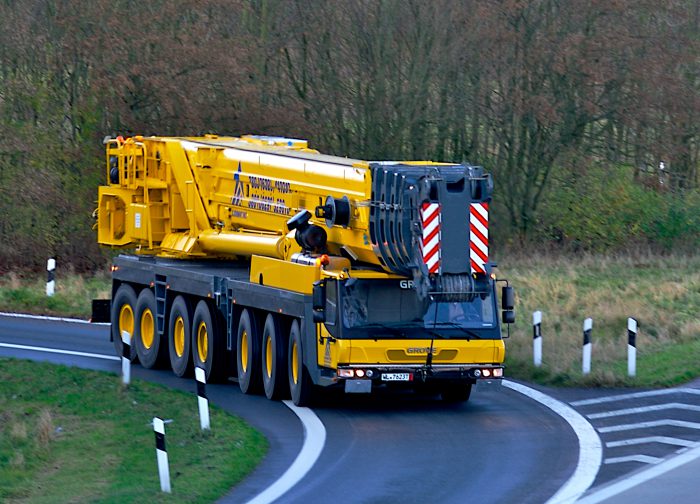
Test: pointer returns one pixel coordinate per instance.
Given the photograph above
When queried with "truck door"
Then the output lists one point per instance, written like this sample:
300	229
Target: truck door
327	350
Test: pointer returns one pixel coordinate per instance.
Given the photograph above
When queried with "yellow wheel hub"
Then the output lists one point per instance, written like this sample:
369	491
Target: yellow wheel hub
202	342
148	329
126	320
179	336
244	351
295	363
268	357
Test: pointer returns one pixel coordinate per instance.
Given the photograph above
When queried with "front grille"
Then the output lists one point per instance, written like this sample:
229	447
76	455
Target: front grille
439	355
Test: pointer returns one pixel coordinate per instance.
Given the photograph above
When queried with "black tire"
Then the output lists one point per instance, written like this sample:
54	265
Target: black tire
179	337
208	342
123	318
149	345
300	385
456	392
248	353
274	359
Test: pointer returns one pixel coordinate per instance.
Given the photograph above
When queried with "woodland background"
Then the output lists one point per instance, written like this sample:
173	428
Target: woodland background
572	105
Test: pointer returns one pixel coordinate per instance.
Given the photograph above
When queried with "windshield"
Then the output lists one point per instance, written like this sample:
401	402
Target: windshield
385	305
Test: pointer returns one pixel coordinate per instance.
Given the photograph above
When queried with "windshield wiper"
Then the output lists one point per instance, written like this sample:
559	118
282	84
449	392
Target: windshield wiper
455	325
393	330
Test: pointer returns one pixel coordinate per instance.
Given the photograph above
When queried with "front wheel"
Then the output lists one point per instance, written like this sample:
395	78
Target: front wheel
300	385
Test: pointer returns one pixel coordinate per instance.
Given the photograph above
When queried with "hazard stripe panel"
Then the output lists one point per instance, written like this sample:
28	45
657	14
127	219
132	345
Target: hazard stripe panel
430	243
478	236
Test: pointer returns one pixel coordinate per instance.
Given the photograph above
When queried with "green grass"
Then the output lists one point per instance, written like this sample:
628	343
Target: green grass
662	293
73	294
70	435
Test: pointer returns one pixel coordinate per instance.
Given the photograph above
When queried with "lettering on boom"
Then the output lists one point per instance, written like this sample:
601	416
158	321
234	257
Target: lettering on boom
258	200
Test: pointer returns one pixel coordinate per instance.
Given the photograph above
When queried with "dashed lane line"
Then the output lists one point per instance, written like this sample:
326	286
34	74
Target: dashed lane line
652	439
654	423
636	395
644	409
590	453
645	459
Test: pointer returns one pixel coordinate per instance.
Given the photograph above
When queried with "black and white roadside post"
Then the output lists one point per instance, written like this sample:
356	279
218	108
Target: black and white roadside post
537	338
161	454
587	328
126	357
201	378
50	276
631	347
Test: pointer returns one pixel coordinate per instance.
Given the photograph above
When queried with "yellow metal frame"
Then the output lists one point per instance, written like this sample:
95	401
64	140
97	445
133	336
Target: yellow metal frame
228	197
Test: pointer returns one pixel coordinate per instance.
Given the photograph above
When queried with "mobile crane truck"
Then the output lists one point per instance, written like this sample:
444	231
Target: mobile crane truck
261	259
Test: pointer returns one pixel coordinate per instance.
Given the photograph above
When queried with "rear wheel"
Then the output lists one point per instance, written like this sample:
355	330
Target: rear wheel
123	318
300	385
208	344
248	353
179	339
149	347
274	359
456	392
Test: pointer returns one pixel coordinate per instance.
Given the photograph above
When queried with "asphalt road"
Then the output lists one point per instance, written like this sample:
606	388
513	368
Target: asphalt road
499	447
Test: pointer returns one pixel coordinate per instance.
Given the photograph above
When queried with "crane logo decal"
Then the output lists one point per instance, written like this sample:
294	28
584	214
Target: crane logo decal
238	189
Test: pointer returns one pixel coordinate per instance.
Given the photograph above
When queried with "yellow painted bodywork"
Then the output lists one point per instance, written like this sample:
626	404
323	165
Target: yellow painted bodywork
283	274
414	351
227	197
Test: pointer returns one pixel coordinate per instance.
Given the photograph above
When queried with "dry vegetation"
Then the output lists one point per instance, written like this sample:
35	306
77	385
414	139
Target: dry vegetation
662	293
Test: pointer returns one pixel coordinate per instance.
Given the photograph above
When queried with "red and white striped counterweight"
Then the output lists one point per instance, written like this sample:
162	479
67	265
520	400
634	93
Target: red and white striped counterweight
478	236
430	244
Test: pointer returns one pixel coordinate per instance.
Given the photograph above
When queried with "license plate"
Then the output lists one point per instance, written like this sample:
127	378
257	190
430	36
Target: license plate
396	376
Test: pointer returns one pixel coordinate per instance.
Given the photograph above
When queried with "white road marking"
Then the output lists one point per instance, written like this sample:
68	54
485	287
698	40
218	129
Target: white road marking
314	440
641	477
590	453
644	409
645	459
636	395
58	351
54	319
654	423
652	439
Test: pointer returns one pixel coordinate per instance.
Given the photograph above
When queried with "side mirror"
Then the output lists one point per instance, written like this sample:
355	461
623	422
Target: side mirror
508	298
508	316
318	301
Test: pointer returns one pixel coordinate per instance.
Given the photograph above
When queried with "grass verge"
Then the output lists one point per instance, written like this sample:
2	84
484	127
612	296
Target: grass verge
662	293
80	436
73	294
